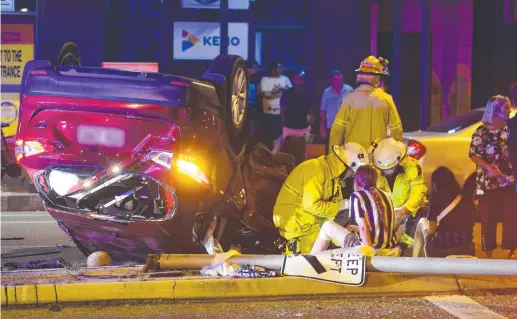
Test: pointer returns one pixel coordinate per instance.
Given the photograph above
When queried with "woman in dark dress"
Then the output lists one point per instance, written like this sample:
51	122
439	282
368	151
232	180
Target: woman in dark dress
447	229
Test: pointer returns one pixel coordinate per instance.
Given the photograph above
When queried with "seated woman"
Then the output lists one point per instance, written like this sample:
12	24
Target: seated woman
372	210
447	230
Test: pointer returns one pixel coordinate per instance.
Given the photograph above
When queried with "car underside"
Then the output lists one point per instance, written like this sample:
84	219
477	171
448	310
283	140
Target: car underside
136	163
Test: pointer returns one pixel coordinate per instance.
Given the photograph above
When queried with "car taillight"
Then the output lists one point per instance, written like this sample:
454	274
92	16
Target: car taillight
43	183
18	150
179	83
415	149
28	148
38	72
188	166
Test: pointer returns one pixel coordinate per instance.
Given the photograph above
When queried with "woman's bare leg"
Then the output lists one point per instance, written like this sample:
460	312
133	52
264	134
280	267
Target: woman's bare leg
329	230
421	229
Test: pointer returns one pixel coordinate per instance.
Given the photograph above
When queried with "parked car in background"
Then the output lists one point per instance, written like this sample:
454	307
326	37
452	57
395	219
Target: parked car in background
447	144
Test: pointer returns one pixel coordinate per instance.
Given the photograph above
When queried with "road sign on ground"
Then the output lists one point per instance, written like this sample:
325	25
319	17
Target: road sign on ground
339	266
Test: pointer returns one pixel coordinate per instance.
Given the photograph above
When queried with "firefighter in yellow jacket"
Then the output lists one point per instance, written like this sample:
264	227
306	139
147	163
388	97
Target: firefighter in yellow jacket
312	194
401	177
367	113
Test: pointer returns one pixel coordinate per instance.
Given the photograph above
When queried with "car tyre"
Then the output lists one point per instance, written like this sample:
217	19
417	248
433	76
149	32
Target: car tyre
233	96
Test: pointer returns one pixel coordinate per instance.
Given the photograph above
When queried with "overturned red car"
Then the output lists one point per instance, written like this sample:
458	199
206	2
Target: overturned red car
135	163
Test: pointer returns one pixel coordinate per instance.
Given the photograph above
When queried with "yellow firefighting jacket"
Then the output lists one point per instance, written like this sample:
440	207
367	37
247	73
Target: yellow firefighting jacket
409	189
309	196
365	114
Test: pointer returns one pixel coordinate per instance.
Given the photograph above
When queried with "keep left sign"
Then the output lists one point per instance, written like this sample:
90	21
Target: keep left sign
340	266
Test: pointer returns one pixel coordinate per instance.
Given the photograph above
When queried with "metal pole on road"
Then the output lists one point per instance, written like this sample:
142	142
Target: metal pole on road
225	17
443	266
408	265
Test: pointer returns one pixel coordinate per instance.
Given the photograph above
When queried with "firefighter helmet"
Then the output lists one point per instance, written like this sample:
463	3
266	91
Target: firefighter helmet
388	153
372	65
352	154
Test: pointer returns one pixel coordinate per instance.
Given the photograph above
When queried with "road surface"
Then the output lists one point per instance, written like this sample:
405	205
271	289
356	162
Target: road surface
472	307
39	235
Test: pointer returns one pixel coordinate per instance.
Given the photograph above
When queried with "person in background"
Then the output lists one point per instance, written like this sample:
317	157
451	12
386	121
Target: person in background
512	133
311	195
296	104
272	88
367	113
448	228
330	102
253	102
373	211
401	177
296	109
495	182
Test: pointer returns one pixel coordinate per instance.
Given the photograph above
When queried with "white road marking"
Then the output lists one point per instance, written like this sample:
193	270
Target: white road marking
24	214
31	222
463	307
54	247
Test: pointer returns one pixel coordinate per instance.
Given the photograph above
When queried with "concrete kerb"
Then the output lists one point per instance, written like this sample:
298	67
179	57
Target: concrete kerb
21	202
221	289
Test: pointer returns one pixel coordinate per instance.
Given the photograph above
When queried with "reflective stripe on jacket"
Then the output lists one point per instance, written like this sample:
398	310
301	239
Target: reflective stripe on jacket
365	115
409	189
309	196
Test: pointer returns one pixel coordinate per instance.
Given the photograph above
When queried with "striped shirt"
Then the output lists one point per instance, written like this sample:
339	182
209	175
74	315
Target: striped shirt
377	210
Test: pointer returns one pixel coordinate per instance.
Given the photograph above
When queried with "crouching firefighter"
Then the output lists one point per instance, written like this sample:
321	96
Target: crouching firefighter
312	194
401	177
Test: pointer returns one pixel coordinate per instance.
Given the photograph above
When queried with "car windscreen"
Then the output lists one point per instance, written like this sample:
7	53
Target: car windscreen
457	123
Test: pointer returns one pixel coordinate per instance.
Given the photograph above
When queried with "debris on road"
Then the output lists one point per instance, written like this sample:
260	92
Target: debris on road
38	264
30	254
13	238
63	246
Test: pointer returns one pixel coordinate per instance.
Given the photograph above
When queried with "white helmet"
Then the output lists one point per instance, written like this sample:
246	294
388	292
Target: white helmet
388	153
352	154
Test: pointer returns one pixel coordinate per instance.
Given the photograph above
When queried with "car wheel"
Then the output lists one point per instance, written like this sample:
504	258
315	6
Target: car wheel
234	101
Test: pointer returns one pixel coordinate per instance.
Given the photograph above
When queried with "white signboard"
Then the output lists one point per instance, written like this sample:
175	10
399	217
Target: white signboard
202	40
8	5
337	266
215	4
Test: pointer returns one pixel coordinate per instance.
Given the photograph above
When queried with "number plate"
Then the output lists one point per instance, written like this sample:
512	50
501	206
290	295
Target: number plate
98	135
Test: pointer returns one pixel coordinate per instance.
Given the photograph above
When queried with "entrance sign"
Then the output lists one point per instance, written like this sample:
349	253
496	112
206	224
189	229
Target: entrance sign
337	266
202	40
17	49
215	4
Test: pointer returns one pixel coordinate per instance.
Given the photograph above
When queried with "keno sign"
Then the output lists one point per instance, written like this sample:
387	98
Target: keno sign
202	40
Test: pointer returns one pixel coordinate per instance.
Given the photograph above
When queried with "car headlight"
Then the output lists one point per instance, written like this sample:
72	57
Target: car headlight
61	182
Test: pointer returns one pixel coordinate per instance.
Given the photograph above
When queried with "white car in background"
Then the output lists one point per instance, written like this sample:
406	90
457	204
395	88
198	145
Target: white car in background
447	144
